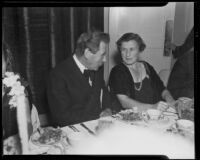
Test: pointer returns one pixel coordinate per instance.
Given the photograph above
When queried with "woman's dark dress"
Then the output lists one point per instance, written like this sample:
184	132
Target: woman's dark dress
121	82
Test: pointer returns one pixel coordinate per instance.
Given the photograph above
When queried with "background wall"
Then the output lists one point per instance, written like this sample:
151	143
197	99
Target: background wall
184	21
149	23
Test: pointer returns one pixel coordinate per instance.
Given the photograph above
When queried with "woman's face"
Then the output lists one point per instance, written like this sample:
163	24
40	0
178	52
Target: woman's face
3	65
129	52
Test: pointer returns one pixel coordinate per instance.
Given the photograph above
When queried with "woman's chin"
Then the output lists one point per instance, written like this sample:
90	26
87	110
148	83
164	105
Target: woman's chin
129	62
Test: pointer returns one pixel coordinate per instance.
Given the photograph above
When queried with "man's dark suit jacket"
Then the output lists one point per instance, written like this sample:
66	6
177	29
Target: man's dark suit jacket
181	80
71	99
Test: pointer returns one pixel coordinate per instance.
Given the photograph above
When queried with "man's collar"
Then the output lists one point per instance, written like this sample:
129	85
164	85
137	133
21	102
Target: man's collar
79	64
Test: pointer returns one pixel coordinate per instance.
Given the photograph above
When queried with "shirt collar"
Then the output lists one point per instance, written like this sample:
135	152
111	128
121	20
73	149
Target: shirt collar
79	64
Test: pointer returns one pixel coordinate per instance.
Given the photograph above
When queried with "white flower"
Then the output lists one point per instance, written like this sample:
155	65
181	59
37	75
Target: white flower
8	82
17	89
11	80
13	101
9	74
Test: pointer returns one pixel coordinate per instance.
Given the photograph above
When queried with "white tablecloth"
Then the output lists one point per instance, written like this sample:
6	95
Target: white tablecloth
160	127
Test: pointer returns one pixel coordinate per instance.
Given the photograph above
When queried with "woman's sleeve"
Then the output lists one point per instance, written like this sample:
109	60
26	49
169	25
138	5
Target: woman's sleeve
118	82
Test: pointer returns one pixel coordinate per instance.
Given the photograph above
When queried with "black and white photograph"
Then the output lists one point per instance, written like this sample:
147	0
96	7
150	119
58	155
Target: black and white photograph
107	80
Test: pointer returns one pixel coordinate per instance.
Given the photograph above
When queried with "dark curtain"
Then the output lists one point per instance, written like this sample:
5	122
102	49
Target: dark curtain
41	37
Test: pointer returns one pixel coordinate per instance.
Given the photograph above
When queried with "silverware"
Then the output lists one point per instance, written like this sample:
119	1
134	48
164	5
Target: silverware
113	116
75	128
84	126
72	128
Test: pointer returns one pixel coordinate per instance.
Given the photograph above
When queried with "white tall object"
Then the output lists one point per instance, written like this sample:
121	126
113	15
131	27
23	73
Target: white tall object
22	123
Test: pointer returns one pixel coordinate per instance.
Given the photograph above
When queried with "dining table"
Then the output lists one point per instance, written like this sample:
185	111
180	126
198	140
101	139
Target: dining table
79	132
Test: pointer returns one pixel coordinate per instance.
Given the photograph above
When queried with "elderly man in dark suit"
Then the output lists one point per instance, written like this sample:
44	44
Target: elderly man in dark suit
76	89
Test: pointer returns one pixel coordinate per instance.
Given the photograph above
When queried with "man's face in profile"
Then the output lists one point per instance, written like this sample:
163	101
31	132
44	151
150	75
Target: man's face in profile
97	59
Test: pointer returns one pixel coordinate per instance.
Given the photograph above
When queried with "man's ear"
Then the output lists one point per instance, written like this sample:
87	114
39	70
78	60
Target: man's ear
87	53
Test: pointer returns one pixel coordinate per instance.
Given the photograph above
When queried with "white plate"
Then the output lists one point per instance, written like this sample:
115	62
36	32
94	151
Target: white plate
76	137
35	136
184	124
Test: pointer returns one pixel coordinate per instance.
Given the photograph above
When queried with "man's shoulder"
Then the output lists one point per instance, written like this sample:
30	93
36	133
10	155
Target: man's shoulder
63	66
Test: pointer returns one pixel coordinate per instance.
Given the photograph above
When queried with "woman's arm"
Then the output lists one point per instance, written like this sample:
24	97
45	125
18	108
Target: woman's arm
166	95
129	103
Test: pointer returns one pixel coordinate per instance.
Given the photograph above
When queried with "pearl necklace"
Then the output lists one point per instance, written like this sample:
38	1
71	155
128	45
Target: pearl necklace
140	86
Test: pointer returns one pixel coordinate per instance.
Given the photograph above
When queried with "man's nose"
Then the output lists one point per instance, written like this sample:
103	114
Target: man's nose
128	53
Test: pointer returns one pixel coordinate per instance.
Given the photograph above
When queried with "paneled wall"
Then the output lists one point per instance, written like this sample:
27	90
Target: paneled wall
41	37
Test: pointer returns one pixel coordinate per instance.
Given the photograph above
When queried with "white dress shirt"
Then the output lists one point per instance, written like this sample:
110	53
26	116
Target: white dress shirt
81	67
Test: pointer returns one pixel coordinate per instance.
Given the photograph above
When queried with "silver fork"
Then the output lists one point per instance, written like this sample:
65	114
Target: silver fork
74	128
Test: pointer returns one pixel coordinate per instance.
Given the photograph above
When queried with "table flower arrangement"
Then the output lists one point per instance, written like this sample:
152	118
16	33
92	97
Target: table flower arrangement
16	85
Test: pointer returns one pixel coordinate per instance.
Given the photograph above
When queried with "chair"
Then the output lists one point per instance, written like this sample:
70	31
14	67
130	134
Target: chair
164	75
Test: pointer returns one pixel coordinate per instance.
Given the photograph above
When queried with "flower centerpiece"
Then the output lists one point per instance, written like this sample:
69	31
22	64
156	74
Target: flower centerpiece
15	87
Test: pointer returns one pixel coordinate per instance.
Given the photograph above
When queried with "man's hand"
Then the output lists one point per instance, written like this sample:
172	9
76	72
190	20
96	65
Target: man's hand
106	112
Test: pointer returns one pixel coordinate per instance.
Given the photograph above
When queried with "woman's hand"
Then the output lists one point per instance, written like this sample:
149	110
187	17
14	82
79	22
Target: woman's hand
162	106
166	95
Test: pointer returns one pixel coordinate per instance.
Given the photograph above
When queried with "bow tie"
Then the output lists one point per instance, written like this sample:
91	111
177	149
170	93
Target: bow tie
89	74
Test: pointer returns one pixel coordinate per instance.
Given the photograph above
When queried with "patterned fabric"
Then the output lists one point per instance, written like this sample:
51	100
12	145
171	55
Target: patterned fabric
35	118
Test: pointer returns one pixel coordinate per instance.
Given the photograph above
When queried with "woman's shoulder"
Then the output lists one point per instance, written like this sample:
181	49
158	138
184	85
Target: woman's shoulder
119	72
149	68
145	63
119	68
